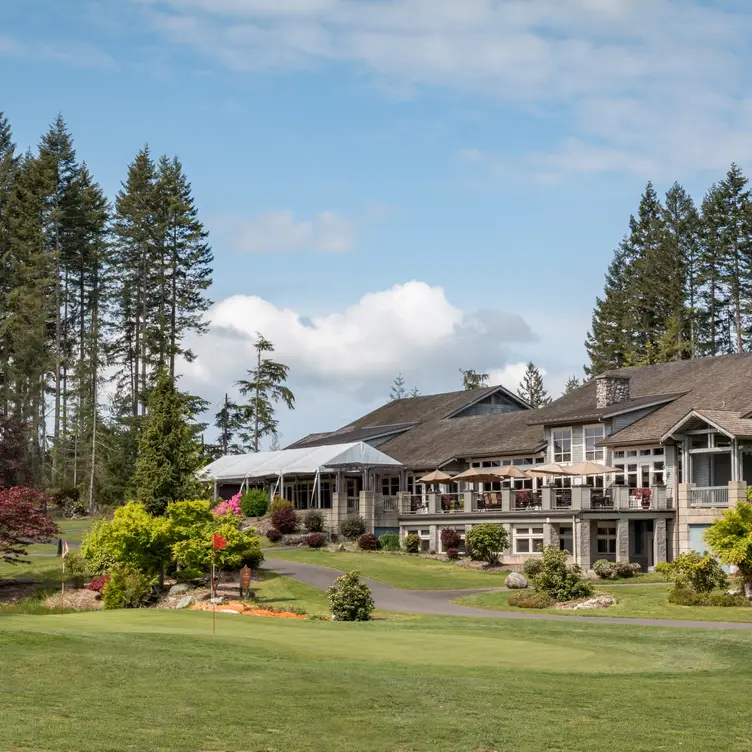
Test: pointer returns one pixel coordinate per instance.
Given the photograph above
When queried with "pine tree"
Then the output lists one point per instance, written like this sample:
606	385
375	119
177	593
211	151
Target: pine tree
608	342
265	388
531	387
572	383
398	390
168	451
229	421
473	380
414	392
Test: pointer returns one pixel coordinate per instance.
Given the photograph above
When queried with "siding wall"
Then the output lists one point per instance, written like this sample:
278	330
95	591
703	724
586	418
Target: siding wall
622	421
701	470
495	403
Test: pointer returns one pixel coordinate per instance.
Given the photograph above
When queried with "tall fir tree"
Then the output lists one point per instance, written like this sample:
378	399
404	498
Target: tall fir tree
168	450
266	388
531	387
572	383
473	379
398	390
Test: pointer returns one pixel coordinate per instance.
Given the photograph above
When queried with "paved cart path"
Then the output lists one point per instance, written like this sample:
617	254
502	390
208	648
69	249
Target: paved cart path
439	602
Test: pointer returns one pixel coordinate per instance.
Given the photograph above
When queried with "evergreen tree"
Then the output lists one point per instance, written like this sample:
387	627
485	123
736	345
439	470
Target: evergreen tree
229	421
572	383
168	451
398	390
531	387
266	387
414	392
473	380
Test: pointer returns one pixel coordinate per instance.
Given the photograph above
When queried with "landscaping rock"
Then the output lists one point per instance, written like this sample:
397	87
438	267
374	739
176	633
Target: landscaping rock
179	589
516	581
597	601
735	591
186	602
341	547
217	601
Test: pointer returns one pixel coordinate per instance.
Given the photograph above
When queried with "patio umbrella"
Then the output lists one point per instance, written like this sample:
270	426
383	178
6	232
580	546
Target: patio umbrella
509	471
552	468
437	476
590	468
477	475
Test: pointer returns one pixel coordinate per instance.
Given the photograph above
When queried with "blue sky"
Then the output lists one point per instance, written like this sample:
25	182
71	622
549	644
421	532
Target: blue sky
393	185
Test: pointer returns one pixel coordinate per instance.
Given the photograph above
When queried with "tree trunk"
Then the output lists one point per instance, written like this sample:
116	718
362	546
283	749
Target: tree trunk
748	589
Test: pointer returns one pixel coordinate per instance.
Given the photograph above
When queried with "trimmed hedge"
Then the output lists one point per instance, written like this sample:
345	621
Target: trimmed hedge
316	540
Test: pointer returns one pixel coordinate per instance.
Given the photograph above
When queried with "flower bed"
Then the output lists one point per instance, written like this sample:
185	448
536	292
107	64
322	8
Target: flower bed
247	610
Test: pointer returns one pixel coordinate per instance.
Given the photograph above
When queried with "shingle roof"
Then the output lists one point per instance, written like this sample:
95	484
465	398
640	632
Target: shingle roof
720	383
733	423
436	442
349	435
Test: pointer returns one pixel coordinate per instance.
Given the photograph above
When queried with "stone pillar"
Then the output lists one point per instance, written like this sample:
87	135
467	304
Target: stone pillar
367	509
660	541
551	535
506	499
433	534
583	545
547	497
339	509
577	497
469	499
622	540
433	503
737	491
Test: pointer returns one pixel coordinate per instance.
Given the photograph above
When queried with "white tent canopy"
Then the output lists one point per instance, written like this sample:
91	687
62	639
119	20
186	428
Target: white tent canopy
306	461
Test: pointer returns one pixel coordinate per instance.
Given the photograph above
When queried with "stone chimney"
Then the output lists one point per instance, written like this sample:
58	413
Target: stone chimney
610	390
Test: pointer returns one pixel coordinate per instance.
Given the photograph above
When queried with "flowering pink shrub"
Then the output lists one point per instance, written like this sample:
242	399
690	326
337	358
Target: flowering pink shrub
229	507
98	583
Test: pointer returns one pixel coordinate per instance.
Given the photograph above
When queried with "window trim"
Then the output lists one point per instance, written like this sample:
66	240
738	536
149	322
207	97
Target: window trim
566	437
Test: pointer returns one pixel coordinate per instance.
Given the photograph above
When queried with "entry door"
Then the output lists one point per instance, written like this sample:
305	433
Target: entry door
354	486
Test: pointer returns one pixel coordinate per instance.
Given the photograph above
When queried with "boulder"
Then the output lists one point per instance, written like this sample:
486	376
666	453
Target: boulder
186	602
179	589
217	601
735	591
341	547
516	581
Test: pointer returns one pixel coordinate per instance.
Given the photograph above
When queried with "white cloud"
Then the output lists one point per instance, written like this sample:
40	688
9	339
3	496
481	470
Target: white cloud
280	232
348	358
510	376
78	55
645	86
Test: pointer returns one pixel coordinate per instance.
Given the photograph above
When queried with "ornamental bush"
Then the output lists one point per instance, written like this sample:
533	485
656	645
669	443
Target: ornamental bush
698	572
98	583
229	507
412	544
680	595
350	598
254	502
273	535
389	542
279	503
452	554
352	527
450	538
76	569
559	581
314	521
127	589
316	540
730	538
532	567
487	541
285	520
368	542
527	599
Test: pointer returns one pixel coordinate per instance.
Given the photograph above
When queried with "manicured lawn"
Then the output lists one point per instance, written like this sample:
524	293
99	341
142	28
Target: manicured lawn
635	602
283	592
72	530
159	680
406	572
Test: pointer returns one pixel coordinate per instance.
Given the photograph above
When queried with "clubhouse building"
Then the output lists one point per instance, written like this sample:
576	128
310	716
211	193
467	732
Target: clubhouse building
678	435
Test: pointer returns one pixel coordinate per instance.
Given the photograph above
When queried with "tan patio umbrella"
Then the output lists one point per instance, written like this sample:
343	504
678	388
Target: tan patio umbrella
437	476
477	475
509	471
590	468
552	468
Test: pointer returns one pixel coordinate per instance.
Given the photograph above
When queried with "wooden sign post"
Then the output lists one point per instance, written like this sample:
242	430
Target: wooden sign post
245	580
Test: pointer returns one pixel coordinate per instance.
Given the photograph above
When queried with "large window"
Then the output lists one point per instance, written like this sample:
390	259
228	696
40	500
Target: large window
425	537
390	485
528	540
566	538
593	434
562	444
606	543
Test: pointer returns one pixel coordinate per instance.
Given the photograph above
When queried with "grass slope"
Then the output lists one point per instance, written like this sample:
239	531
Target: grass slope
633	602
160	681
406	572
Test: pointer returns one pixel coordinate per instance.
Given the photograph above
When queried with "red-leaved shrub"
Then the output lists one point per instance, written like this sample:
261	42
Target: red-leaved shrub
316	540
285	520
452	554
98	583
368	542
450	538
273	535
22	521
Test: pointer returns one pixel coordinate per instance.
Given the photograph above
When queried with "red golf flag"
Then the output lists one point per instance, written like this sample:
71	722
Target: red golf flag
218	542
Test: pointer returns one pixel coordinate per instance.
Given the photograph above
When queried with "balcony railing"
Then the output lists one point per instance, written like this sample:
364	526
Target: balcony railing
451	502
712	496
353	505
386	505
526	499
562	498
624	499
